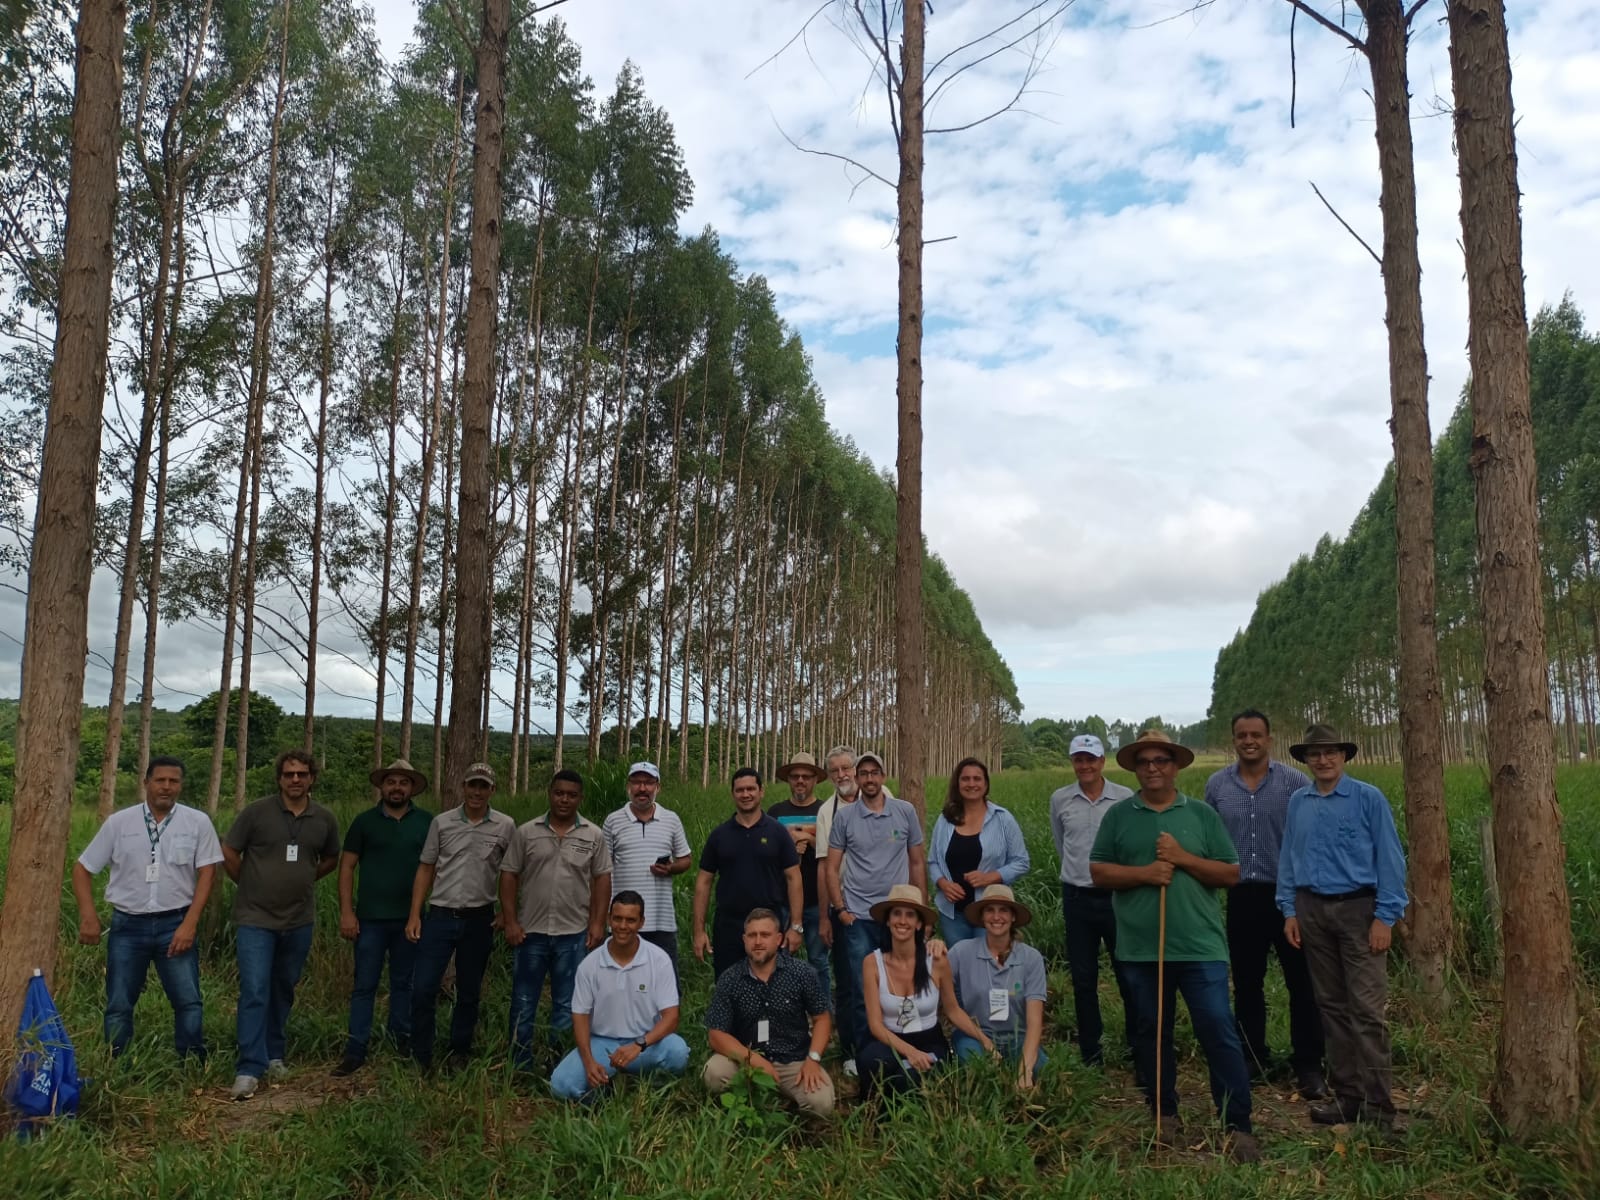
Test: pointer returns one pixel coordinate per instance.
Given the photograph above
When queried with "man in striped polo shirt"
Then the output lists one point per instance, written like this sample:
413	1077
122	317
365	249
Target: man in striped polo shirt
648	847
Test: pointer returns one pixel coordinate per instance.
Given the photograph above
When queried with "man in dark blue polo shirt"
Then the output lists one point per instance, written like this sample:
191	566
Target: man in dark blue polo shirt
753	860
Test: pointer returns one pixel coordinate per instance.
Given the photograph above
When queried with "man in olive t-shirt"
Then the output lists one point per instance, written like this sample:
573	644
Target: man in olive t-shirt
275	850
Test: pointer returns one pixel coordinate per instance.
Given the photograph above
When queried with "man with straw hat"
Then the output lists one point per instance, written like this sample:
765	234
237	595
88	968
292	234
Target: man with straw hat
385	842
798	814
1165	855
1341	888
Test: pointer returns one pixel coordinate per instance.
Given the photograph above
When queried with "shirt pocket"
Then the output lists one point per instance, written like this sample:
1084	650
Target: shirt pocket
182	847
494	851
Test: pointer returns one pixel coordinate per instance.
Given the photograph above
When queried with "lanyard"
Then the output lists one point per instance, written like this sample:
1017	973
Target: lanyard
154	829
293	824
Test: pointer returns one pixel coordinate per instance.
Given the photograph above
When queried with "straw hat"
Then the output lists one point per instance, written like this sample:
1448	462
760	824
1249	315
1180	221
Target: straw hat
905	895
800	759
1158	739
1319	736
998	893
419	781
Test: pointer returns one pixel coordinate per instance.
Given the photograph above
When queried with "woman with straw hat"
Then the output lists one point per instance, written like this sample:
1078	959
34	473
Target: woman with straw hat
1000	984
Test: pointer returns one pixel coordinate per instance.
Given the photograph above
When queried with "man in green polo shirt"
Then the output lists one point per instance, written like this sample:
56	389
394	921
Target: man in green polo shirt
1159	846
385	842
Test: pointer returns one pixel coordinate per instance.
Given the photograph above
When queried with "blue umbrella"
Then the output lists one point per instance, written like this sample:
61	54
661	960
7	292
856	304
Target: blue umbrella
45	1082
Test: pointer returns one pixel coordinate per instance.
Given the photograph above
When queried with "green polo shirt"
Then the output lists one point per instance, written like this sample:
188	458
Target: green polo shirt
1127	838
388	849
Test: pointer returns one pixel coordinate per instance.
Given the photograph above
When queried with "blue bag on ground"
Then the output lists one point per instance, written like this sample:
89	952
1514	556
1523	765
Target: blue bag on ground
45	1082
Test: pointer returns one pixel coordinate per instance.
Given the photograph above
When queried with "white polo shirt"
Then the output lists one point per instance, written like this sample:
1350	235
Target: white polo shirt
185	842
624	1001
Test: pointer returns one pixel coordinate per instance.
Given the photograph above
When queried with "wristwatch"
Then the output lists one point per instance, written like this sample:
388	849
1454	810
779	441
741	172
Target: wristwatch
798	928
643	1045
814	1056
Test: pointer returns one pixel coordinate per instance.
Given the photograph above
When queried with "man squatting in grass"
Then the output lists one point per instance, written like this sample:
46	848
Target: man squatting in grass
555	883
275	850
459	875
1159	846
624	1010
1341	888
163	858
769	1012
385	843
754	863
648	847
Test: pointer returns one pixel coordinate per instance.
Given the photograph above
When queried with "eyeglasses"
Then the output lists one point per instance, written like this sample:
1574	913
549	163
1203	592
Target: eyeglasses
1323	752
908	1011
1153	760
294	774
869	772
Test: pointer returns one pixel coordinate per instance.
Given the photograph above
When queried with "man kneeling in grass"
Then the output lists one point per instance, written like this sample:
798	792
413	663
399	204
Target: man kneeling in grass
624	1009
769	1012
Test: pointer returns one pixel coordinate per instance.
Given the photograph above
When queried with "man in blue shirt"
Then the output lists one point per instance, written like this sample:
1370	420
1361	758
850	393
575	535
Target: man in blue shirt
1341	888
1252	798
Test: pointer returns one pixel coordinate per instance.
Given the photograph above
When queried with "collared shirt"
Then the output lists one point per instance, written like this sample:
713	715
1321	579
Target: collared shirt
787	1001
388	849
273	892
1341	842
624	1001
1001	848
1074	822
793	816
465	857
635	845
876	848
978	979
1255	819
749	863
555	873
187	842
1127	837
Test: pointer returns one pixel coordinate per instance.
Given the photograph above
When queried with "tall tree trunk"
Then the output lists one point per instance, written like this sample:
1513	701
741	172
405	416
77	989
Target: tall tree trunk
1536	1077
470	664
63	543
319	485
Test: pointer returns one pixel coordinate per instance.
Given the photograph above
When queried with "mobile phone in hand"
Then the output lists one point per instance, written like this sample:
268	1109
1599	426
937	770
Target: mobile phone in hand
664	861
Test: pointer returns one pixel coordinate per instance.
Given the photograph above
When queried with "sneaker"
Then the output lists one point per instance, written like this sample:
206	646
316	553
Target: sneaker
850	1067
277	1068
244	1086
1243	1147
348	1066
1311	1085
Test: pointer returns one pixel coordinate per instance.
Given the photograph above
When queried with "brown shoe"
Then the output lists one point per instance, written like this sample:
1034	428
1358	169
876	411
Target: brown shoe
1172	1133
1243	1147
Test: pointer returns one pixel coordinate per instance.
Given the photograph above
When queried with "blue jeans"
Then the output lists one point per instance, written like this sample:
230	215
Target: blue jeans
1089	922
556	955
1010	1049
1204	986
860	939
270	962
570	1081
377	940
957	929
817	954
469	939
133	944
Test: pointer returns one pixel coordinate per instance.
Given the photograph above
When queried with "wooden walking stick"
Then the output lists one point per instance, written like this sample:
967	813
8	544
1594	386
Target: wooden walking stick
1161	1002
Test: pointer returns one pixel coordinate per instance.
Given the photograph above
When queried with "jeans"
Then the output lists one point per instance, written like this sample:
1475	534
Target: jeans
884	1072
727	941
270	962
556	955
1089	922
1255	929
860	939
570	1081
133	944
844	1005
957	929
1204	986
817	954
469	939
666	940
379	939
1010	1048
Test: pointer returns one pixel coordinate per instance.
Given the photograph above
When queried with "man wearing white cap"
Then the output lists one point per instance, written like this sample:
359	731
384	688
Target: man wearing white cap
1075	815
648	847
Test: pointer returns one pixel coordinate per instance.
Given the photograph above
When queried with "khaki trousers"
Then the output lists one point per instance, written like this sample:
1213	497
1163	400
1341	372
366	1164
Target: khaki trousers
720	1071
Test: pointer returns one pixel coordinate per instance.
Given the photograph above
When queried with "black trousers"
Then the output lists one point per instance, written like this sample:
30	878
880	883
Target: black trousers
1255	929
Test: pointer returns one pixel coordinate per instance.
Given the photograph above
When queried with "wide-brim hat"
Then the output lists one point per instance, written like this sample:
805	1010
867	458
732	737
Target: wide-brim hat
800	759
998	893
1158	739
905	895
419	781
1322	735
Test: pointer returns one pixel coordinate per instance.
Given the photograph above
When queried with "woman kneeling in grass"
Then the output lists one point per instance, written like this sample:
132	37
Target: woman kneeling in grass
905	991
1000	983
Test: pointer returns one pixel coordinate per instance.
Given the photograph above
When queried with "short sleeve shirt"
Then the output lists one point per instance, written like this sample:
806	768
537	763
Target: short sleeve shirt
636	844
1194	913
624	1001
275	892
786	1002
388	850
555	873
792	816
182	844
749	864
1074	822
996	995
465	856
876	848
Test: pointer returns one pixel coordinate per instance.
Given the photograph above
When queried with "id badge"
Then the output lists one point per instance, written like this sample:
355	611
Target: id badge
763	1030
999	1005
291	853
152	873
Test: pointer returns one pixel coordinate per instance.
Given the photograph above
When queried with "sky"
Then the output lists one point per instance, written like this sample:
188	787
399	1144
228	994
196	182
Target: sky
1155	365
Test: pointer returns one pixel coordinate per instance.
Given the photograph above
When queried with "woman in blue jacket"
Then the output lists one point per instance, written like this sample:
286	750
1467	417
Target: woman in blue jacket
975	844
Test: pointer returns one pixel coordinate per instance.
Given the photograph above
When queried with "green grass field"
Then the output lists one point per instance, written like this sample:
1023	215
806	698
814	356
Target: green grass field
151	1128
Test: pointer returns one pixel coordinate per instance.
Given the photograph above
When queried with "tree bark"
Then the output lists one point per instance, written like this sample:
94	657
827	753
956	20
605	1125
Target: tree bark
62	562
1536	1077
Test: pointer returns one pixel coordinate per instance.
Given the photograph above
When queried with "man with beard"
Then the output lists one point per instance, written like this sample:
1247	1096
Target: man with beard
798	814
385	842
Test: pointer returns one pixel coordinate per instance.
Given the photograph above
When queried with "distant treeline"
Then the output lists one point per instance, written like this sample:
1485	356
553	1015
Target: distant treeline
1044	742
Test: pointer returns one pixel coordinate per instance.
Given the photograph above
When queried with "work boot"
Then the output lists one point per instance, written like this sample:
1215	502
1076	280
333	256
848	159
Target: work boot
1243	1147
1333	1112
348	1065
1311	1085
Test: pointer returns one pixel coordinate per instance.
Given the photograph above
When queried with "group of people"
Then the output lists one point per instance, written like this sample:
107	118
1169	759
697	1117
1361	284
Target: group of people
815	915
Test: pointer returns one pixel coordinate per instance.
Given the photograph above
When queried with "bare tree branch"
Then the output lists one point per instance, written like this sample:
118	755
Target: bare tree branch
798	34
1330	25
1346	225
1414	9
844	158
1034	60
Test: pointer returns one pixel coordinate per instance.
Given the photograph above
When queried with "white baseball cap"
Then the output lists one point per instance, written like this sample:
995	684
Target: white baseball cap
645	768
1087	743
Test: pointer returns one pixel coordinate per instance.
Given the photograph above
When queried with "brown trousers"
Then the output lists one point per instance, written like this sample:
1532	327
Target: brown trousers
1352	988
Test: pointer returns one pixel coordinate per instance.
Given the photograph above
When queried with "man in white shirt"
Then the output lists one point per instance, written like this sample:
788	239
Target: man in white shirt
648	847
624	1009
163	858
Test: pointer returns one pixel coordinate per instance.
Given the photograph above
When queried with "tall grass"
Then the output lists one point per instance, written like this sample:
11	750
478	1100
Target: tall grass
153	1127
